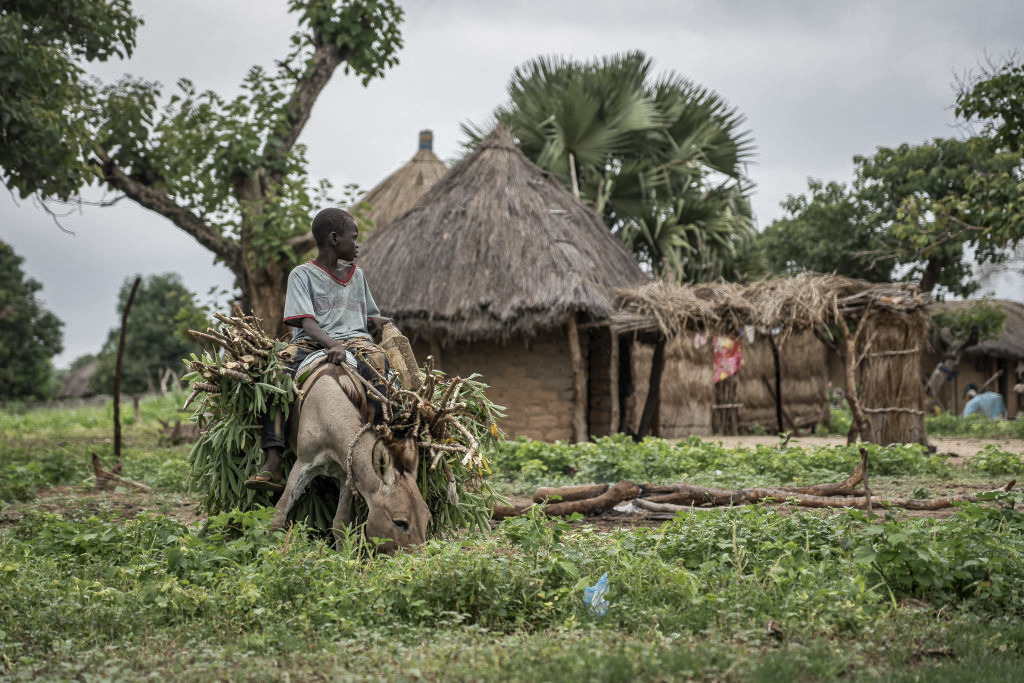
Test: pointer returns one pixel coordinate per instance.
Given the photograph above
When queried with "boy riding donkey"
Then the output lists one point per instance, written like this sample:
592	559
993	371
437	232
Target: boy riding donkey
331	308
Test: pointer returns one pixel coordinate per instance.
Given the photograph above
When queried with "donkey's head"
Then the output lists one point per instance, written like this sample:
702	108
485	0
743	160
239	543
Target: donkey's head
385	476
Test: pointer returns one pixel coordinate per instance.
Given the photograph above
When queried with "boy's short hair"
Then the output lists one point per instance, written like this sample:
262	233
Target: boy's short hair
331	220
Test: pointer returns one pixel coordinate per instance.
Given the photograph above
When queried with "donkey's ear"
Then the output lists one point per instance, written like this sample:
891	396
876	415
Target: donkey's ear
407	455
382	460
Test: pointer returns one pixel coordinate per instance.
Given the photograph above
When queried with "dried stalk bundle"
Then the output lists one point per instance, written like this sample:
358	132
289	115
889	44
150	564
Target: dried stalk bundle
805	301
451	417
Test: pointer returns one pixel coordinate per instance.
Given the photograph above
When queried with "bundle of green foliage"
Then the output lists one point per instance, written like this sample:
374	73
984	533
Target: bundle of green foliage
247	380
29	334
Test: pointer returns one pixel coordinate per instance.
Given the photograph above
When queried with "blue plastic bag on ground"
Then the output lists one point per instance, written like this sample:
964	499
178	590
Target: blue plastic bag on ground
593	596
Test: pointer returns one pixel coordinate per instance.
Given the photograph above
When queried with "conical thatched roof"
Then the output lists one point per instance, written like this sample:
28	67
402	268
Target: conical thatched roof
1009	344
397	193
76	384
497	248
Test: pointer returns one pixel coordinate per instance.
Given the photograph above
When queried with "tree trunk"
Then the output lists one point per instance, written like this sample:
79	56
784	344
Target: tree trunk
263	295
932	273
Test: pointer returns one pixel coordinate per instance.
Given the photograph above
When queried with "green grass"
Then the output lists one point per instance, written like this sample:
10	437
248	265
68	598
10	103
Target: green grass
90	589
976	426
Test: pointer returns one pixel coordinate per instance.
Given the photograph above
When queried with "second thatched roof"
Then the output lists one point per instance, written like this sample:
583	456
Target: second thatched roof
497	248
397	193
1009	344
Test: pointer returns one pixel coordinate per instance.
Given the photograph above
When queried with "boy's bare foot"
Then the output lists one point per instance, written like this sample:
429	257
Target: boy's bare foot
265	481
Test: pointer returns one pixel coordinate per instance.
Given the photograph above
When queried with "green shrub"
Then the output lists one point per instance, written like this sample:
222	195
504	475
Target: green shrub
994	460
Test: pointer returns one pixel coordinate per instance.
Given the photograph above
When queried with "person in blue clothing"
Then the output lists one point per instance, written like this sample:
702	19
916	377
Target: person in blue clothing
330	307
988	403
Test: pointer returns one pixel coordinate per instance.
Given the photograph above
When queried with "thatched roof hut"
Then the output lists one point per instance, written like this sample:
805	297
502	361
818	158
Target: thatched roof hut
881	351
985	360
500	251
76	383
496	249
397	193
1009	344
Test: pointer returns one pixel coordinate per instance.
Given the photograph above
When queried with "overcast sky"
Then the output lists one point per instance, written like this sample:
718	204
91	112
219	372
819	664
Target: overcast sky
818	82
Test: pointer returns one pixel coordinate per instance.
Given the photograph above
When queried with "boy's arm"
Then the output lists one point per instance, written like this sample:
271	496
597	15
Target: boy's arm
375	322
335	350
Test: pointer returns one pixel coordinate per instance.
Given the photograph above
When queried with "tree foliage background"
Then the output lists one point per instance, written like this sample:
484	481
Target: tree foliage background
30	336
660	158
227	171
156	337
925	212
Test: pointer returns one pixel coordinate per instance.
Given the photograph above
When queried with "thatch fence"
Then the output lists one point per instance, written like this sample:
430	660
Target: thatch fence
879	330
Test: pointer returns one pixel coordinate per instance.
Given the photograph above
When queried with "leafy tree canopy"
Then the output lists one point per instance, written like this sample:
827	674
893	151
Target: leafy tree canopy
826	230
155	339
227	171
924	212
44	130
30	336
660	158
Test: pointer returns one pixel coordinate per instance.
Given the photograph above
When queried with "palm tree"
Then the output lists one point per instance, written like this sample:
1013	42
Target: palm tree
661	159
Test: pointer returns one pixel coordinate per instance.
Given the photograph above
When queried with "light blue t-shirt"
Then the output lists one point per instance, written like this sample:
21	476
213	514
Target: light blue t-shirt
989	404
339	306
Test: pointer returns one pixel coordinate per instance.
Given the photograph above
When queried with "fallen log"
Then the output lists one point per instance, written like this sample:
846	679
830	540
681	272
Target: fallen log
750	496
569	493
612	496
668	493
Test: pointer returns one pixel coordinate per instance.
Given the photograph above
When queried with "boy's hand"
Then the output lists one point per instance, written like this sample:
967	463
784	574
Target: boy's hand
336	354
377	323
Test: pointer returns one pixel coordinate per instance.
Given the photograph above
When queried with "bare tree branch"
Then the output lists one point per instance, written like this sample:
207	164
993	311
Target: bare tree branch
322	64
159	202
301	243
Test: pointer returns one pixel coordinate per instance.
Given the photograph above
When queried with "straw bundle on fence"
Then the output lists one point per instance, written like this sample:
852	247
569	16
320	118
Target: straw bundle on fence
805	301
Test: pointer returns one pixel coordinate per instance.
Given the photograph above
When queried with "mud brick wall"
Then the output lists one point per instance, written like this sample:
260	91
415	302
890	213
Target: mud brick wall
531	378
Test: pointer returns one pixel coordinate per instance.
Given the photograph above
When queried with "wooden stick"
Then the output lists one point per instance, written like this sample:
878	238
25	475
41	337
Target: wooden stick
117	369
569	493
579	382
864	467
622	491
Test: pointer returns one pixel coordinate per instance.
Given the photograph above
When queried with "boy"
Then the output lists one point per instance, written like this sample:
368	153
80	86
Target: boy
330	307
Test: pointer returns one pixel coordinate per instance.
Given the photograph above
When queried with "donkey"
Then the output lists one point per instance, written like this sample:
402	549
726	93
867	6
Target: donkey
333	437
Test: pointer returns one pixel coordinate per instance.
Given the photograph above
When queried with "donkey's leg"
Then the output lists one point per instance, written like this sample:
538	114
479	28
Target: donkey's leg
298	480
343	516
